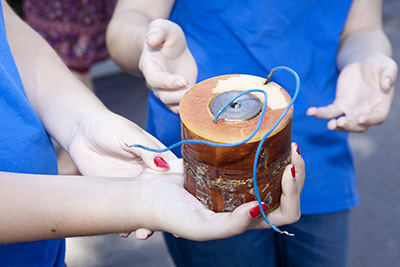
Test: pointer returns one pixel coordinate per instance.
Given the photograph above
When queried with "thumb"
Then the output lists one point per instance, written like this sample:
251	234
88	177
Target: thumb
147	149
155	36
157	32
388	74
154	160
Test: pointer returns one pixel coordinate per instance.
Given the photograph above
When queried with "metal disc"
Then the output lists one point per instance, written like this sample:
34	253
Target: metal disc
244	108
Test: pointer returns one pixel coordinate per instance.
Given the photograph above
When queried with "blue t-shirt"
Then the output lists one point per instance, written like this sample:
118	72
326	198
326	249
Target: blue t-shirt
231	36
25	147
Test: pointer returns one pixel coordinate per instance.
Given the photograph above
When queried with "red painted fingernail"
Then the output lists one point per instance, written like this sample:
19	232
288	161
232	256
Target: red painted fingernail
161	163
298	150
293	169
255	212
125	235
144	238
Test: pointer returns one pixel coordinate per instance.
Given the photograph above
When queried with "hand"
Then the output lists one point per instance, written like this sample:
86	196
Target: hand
167	206
102	146
364	95
166	63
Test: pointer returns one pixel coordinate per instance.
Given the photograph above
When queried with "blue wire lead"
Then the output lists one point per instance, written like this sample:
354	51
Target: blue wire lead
192	141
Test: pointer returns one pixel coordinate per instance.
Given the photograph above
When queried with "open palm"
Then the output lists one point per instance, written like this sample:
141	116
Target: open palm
364	95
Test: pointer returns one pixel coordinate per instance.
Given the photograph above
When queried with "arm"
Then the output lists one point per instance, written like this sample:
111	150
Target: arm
363	34
367	73
49	85
37	207
142	41
72	114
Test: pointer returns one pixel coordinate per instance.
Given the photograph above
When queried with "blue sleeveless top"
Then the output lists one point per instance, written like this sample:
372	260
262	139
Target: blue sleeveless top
25	147
231	36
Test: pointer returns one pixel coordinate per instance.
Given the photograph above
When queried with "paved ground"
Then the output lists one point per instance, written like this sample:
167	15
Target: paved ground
375	239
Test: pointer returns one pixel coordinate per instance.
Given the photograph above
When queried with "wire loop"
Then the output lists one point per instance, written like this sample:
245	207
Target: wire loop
193	141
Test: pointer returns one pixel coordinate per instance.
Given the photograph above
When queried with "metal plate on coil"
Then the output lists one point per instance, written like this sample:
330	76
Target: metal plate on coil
243	108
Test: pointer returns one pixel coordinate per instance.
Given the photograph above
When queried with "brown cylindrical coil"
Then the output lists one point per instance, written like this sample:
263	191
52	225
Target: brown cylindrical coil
222	178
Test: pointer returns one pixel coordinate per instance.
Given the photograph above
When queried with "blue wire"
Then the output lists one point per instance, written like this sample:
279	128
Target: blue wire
193	141
266	136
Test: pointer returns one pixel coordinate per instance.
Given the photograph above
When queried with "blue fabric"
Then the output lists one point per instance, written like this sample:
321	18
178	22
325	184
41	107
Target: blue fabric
25	147
233	37
233	251
265	248
320	240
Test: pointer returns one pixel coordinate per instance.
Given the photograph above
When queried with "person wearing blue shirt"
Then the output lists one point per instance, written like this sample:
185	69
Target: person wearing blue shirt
343	58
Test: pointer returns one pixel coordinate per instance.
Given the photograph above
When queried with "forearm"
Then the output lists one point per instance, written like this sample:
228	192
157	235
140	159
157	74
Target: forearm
38	207
59	99
363	33
125	36
363	43
126	32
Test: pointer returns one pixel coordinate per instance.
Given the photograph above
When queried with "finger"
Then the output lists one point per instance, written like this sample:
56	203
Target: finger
388	75
174	108
386	83
160	78
292	184
223	224
298	162
372	118
170	97
347	124
156	33
162	32
327	112
124	235
155	37
155	160
143	234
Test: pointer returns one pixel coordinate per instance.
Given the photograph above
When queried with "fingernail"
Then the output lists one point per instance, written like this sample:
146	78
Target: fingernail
180	83
153	33
144	238
311	111
160	162
255	212
388	81
362	120
297	149
293	169
124	235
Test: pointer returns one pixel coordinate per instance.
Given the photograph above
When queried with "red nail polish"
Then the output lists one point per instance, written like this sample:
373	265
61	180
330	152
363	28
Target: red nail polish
298	150
255	212
161	163
125	235
293	169
144	238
